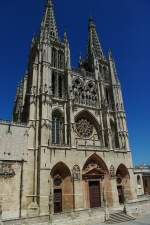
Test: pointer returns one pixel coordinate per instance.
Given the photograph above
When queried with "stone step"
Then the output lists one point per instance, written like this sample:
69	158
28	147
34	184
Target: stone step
122	215
119	217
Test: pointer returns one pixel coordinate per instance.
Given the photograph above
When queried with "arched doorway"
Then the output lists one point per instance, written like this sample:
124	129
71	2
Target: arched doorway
62	188
123	184
94	174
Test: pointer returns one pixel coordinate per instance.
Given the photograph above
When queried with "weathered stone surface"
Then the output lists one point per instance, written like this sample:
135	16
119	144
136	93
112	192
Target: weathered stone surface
71	160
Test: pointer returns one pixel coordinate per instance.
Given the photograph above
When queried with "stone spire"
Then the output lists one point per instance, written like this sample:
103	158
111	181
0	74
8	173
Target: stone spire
113	69
49	22
94	46
67	52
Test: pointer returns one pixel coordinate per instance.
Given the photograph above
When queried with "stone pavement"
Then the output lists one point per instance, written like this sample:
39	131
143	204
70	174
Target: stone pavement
140	221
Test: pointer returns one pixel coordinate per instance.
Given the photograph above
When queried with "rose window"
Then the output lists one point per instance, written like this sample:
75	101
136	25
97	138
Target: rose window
84	128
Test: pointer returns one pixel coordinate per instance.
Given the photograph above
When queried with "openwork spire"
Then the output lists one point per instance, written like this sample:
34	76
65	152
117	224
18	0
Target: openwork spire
49	21
94	46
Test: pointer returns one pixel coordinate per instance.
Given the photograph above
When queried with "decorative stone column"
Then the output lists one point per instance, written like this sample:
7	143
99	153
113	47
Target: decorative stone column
78	189
51	197
1	223
115	197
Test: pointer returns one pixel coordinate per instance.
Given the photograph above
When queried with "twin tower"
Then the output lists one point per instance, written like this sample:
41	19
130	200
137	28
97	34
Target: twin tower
78	149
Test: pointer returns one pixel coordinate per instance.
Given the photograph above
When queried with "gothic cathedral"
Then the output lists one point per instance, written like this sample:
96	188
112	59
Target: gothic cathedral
68	138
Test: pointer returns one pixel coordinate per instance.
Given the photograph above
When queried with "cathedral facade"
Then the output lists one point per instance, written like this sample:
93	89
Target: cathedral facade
67	148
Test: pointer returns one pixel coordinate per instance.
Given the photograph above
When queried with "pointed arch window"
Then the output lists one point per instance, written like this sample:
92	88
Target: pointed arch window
54	57
57	128
115	140
107	95
53	83
60	86
60	60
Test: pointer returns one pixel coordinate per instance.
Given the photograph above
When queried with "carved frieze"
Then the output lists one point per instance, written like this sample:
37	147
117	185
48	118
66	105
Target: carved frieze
84	93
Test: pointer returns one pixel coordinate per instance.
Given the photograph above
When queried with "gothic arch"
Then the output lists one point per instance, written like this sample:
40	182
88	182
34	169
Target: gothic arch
58	168
62	188
57	111
88	114
122	171
123	183
95	174
97	159
61	59
58	131
87	123
54	57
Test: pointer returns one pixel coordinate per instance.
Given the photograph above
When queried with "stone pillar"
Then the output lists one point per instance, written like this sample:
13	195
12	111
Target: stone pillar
78	194
109	132
65	125
115	197
102	192
32	141
51	199
78	188
1	215
44	190
132	185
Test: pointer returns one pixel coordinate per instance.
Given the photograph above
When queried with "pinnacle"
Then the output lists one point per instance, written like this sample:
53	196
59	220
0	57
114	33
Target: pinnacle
49	3
94	43
49	22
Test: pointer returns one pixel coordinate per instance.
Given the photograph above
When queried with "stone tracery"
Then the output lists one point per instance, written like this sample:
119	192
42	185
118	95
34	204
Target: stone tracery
84	128
84	93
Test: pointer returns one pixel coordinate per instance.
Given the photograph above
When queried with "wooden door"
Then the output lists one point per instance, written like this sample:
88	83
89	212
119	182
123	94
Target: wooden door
94	189
120	194
57	201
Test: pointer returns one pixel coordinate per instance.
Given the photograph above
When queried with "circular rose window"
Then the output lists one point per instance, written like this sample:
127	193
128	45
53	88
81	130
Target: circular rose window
84	128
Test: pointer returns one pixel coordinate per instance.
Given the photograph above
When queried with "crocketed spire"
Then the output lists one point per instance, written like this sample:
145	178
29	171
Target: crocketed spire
94	46
49	22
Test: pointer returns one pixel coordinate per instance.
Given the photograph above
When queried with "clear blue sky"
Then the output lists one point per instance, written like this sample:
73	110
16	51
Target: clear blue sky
124	26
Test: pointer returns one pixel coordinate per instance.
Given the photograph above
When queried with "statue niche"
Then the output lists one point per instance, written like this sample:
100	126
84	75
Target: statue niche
76	172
